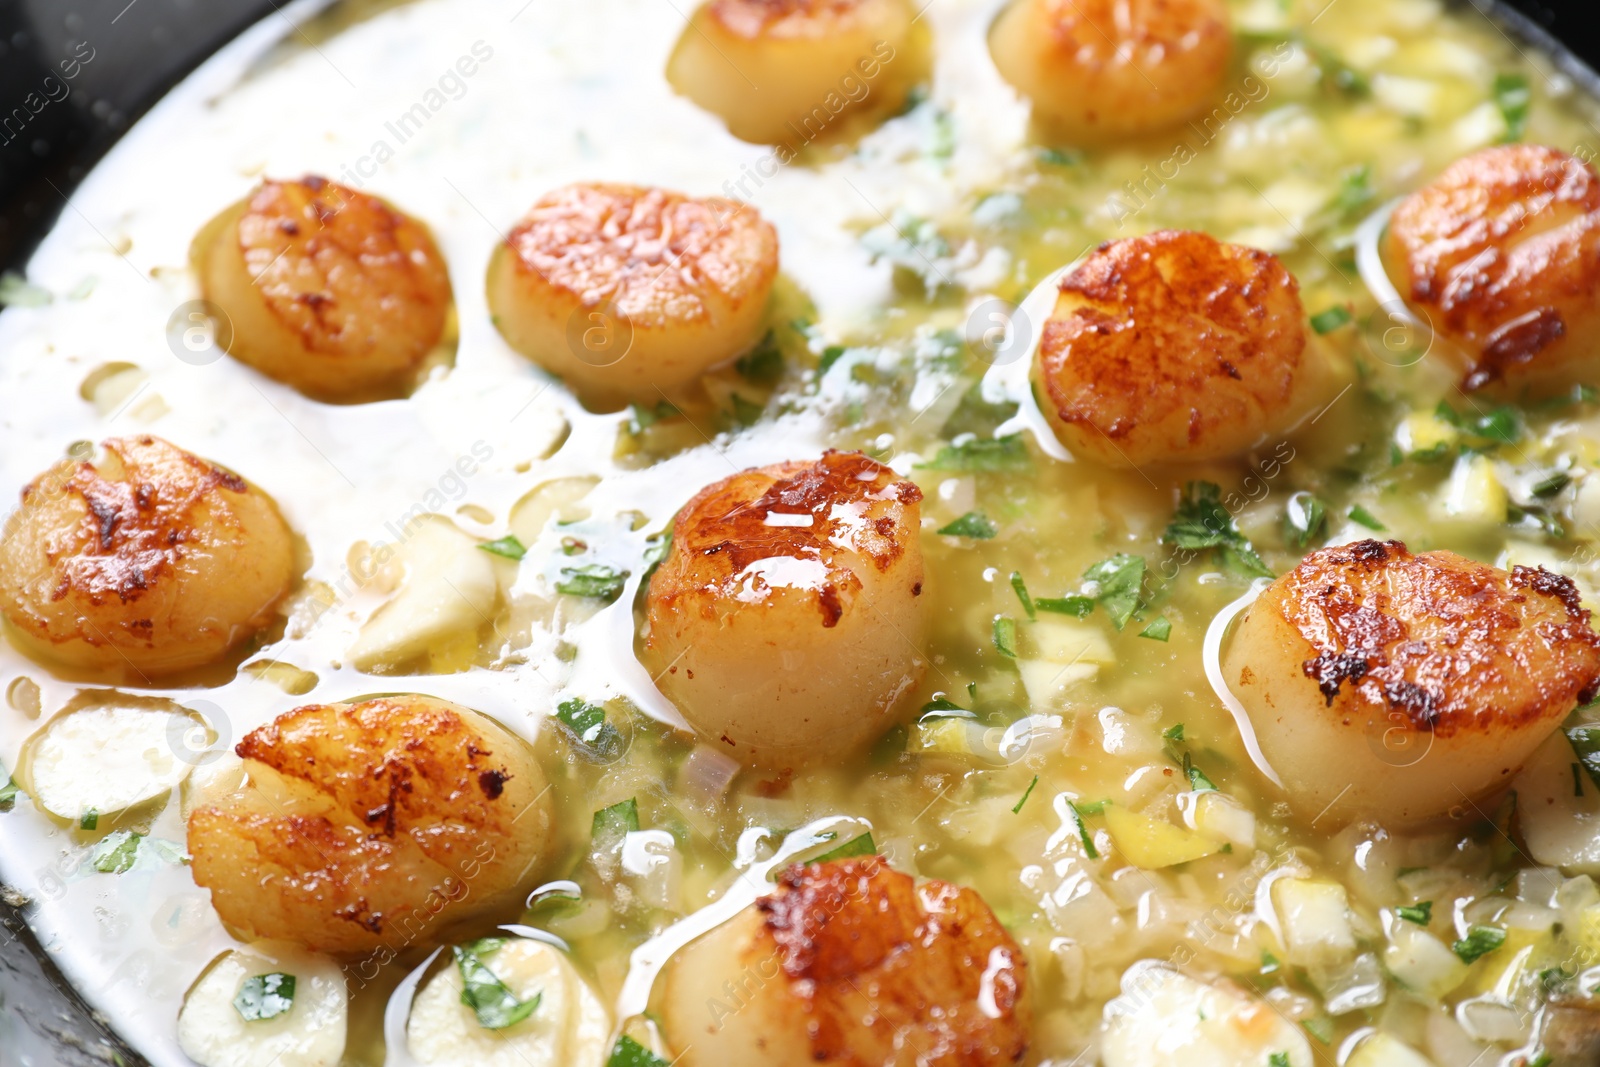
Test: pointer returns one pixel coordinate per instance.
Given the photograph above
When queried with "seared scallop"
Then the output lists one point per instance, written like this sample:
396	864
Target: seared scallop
1400	686
626	292
852	962
1175	347
1501	255
784	72
355	827
1102	69
786	622
144	561
330	290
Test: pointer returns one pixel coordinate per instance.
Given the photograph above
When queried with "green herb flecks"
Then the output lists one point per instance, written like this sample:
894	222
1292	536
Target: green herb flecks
1202	522
265	996
490	999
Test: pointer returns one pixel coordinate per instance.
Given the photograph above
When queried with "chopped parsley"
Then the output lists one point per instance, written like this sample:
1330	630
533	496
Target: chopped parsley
856	846
1077	606
592	580
1514	99
1362	517
1021	590
588	722
641	418
629	1053
1202	521
1278	1059
611	825
1007	453
1083	832
1159	629
974	524
116	852
507	546
1479	942
1586	744
1500	424
1198	781
1420	914
89	820
1304	518
1120	580
490	999
265	996
1551	484
1026	793
1330	320
1005	635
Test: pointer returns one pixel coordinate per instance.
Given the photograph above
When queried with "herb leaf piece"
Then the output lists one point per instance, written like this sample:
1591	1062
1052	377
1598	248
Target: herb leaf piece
490	999
1005	635
265	996
589	723
1026	793
1421	914
592	580
629	1053
1120	579
507	546
1021	589
856	846
1007	453
1159	629
1203	521
1479	942
116	852
974	524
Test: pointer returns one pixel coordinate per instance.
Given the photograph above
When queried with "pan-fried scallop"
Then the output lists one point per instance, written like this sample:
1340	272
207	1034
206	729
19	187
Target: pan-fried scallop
355	827
626	292
328	289
1103	69
1399	686
1175	347
787	620
144	560
852	962
784	72
1501	254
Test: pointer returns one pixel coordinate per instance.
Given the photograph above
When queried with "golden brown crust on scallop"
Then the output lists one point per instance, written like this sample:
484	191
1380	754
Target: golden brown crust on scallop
1107	68
726	527
1101	34
114	561
368	818
343	271
1453	645
658	257
1174	347
781	18
931	962
1502	252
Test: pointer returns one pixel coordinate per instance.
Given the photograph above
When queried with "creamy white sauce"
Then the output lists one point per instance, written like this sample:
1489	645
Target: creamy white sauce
561	91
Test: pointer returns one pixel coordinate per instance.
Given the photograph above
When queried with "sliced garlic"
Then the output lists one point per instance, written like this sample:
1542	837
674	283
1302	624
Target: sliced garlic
214	1033
445	587
110	753
569	1028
